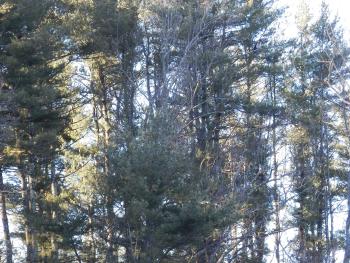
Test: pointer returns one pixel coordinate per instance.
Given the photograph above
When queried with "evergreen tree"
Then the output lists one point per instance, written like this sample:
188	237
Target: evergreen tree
156	131
313	138
33	68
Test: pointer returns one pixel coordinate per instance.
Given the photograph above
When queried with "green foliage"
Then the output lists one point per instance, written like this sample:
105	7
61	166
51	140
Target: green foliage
164	202
163	144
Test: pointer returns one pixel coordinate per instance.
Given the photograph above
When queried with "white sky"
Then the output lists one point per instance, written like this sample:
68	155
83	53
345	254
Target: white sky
340	8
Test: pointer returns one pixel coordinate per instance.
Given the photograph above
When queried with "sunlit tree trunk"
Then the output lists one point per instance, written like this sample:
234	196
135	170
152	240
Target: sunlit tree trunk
54	192
5	222
347	225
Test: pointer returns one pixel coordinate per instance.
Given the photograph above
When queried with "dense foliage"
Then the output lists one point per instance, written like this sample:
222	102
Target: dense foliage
172	131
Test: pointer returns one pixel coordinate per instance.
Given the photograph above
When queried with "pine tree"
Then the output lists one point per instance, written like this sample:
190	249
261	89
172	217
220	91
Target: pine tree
249	145
312	141
33	66
153	131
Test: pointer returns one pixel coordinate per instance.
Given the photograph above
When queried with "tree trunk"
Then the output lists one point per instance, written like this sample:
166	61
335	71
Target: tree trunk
347	227
54	192
91	245
31	202
276	196
5	223
26	209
